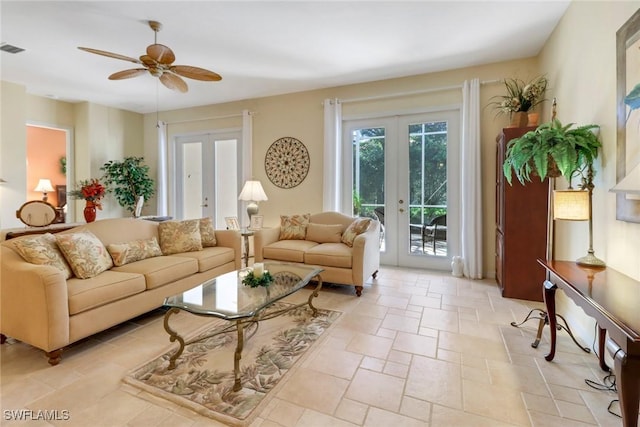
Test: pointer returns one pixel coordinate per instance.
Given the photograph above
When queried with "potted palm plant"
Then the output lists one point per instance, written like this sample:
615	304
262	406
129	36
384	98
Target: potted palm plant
551	150
128	180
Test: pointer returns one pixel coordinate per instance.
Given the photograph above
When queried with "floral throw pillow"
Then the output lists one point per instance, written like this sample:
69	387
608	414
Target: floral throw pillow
207	232
85	253
125	253
180	236
43	250
357	227
294	227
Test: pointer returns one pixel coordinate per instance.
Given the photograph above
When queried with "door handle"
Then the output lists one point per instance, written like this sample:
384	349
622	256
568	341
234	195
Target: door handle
204	206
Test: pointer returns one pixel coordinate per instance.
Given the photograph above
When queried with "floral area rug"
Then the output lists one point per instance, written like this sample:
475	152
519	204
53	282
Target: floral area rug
203	378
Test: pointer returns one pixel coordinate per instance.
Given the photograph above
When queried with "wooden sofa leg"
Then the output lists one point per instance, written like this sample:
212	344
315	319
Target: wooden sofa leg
375	274
54	356
3	338
359	290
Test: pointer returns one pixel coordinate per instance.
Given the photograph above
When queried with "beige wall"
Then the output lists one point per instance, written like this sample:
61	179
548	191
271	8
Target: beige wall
99	133
580	60
300	115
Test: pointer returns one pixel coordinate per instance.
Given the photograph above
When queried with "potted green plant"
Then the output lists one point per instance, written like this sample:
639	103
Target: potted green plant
128	180
520	99
549	147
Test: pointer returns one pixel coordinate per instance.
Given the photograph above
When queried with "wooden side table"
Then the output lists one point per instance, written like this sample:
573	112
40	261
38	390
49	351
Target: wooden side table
246	233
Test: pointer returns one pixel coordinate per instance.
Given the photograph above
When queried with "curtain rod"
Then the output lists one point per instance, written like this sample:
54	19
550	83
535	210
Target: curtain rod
410	93
228	116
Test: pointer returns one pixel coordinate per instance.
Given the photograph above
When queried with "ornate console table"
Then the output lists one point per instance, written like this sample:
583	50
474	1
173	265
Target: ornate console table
613	299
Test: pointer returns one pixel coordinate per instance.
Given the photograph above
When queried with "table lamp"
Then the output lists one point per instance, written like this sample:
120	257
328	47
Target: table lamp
45	186
576	205
253	193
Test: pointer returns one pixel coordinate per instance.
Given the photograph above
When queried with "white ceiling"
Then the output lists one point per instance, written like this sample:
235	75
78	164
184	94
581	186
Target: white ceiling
260	48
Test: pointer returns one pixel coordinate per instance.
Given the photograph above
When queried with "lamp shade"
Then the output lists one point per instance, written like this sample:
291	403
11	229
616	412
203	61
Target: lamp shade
571	205
252	191
44	185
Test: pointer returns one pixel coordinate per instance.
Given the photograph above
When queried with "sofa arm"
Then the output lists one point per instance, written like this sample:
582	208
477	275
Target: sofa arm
231	239
34	302
262	238
366	254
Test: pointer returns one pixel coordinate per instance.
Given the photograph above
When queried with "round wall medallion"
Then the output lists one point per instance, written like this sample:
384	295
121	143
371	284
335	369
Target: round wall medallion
287	162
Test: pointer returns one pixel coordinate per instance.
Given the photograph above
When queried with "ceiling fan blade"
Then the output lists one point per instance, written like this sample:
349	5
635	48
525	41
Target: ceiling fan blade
127	74
148	61
173	82
196	73
110	54
161	54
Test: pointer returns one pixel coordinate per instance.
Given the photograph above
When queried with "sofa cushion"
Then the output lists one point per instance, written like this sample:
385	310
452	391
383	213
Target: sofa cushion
330	255
287	250
43	250
125	253
209	258
207	232
102	289
161	270
293	227
85	253
180	236
324	233
358	226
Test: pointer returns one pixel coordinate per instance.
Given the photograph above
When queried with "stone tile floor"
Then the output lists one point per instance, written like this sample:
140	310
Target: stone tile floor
419	348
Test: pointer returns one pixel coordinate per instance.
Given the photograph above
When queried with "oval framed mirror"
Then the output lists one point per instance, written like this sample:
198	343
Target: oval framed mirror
36	213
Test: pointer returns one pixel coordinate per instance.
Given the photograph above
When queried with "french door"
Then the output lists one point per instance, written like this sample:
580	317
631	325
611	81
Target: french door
404	171
207	176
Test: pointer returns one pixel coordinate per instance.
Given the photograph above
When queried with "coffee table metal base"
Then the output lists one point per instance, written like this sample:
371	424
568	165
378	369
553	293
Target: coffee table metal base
239	325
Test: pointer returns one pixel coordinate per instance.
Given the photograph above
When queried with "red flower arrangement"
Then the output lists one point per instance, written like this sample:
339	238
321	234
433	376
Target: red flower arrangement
90	190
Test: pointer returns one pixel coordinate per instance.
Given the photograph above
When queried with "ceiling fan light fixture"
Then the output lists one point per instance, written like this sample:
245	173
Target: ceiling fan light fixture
158	59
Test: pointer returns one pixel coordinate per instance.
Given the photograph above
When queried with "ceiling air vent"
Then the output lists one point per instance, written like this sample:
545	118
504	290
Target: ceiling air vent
10	48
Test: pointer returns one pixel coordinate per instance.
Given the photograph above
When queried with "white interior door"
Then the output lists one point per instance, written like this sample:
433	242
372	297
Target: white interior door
207	176
404	170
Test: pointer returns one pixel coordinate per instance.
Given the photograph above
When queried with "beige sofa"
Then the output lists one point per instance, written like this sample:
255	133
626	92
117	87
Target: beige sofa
323	247
42	308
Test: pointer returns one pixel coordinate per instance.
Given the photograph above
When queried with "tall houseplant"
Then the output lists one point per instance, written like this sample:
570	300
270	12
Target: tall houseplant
549	146
128	180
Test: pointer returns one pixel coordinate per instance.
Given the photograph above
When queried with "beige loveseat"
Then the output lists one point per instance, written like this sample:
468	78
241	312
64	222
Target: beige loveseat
323	245
42	308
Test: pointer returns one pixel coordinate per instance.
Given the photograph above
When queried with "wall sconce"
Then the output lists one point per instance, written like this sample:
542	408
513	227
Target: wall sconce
45	186
630	184
253	193
576	205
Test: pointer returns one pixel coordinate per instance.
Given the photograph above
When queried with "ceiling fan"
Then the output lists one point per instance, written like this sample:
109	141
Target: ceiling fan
158	61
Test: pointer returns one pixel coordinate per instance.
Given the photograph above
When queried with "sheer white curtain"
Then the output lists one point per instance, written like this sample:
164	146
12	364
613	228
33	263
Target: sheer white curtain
332	182
247	146
471	230
161	190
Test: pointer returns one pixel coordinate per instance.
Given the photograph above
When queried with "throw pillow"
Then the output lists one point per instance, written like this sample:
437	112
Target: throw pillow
180	236
124	253
323	233
43	250
358	226
294	227
85	253
207	232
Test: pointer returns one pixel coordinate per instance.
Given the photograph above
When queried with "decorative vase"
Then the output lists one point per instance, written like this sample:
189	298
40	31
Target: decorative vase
519	119
90	211
534	119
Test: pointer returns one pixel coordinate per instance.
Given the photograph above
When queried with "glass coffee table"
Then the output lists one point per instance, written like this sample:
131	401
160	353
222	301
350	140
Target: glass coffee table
226	297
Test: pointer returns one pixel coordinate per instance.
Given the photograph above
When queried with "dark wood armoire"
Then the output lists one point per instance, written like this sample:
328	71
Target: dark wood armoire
521	228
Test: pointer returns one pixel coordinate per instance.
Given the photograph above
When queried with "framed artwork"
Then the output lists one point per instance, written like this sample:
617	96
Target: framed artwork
256	222
628	112
61	194
287	162
232	222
